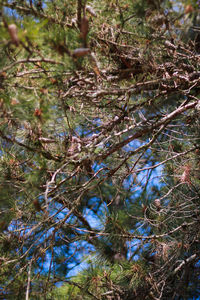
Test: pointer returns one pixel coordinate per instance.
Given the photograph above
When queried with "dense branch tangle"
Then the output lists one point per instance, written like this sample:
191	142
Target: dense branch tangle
110	128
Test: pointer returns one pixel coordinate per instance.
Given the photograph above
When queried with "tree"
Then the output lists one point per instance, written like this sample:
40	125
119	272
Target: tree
99	134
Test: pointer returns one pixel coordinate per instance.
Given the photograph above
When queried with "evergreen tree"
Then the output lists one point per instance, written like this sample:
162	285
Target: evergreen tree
100	149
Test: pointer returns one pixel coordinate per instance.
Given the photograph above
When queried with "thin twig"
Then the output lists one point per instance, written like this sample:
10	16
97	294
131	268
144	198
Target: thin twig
29	280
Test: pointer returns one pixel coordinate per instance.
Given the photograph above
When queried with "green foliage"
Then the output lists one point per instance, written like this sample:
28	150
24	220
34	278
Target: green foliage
99	149
97	280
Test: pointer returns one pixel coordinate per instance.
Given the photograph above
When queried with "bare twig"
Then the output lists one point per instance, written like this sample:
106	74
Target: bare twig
29	280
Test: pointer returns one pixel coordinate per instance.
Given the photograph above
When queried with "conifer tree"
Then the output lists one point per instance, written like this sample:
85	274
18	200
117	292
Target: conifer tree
100	151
